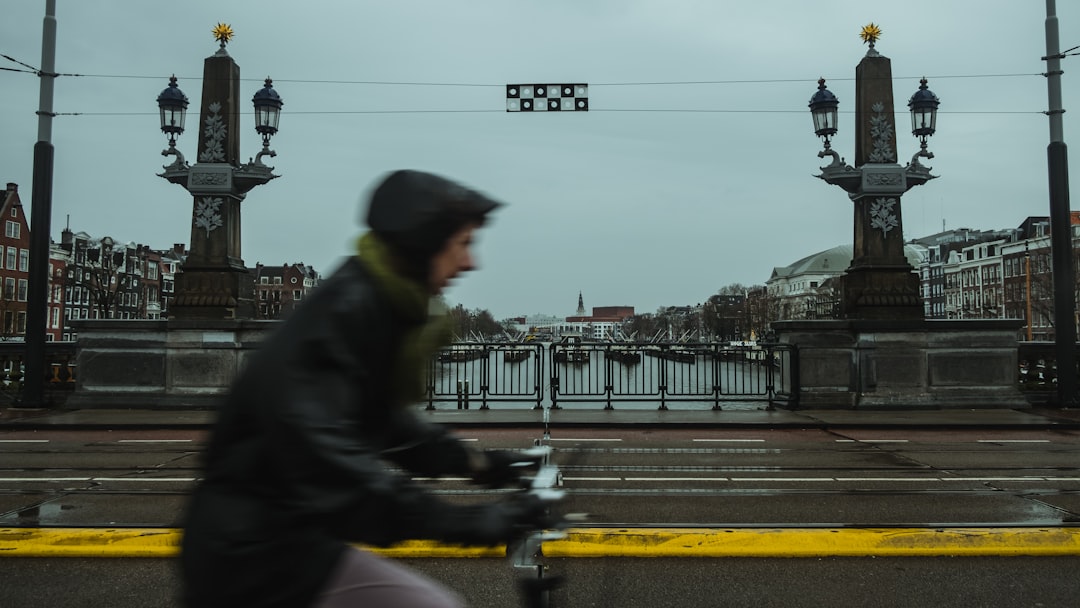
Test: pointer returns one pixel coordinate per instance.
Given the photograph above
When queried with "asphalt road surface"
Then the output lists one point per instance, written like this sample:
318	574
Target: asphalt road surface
631	478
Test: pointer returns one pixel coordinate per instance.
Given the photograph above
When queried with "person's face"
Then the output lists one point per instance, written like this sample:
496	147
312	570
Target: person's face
453	259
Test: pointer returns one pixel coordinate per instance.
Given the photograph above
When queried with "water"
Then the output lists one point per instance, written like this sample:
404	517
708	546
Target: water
592	376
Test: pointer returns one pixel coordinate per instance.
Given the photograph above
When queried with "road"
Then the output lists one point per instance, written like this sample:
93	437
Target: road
696	477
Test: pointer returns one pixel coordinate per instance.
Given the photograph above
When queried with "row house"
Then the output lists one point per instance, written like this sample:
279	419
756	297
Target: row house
101	278
809	288
998	275
14	265
964	274
960	277
1028	280
280	289
105	279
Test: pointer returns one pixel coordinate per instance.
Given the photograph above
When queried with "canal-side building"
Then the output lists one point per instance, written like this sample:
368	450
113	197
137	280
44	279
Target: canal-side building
280	289
14	265
806	289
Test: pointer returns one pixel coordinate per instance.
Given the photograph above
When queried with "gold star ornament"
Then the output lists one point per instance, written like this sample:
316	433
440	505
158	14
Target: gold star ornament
223	33
870	33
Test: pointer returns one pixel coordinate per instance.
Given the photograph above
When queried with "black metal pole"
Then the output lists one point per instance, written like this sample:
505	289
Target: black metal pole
40	221
38	287
1060	221
1061	249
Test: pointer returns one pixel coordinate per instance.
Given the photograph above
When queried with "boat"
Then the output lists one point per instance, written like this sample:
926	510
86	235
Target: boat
516	355
452	356
571	351
680	356
623	355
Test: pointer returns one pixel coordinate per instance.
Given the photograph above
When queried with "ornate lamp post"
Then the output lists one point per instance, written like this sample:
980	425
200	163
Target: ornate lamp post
214	283
879	284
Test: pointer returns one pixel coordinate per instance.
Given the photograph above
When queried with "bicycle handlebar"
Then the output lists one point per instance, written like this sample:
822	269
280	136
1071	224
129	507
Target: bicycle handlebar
545	485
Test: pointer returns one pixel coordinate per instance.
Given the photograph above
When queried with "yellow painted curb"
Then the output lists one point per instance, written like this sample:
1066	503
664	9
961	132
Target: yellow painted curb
611	542
89	542
165	542
810	542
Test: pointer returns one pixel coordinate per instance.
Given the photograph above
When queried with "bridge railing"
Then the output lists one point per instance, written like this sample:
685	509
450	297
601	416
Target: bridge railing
59	378
608	374
483	373
1038	370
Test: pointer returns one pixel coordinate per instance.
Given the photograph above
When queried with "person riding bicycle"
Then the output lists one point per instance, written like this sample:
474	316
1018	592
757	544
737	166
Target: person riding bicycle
305	455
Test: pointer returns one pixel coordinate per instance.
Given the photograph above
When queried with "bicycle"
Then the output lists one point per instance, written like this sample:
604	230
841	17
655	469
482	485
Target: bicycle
534	584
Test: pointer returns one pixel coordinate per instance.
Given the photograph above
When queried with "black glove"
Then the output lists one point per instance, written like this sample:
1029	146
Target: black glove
496	523
503	468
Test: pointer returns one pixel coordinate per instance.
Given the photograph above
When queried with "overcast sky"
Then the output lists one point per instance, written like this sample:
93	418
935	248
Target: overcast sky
693	168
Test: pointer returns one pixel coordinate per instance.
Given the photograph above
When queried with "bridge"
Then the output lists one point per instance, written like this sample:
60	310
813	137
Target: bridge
587	374
688	507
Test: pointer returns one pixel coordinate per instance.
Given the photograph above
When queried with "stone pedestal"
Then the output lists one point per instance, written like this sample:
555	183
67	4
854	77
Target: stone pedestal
904	364
161	364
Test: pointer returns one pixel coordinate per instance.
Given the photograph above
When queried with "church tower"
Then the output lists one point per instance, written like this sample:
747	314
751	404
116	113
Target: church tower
580	305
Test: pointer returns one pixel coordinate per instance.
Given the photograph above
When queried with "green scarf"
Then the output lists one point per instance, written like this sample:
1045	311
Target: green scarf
428	330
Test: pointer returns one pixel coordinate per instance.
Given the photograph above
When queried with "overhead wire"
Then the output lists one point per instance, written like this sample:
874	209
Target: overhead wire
31	69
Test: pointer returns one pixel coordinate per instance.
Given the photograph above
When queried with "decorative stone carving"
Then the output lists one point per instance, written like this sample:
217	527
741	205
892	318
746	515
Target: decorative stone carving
208	214
882	216
214	129
881	134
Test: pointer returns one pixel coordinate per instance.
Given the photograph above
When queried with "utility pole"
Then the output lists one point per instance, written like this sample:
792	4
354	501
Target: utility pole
40	220
1060	221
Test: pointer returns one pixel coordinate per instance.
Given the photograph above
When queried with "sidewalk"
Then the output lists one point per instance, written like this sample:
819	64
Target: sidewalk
149	418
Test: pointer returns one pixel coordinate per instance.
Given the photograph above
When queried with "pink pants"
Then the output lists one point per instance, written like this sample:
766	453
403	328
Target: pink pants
365	579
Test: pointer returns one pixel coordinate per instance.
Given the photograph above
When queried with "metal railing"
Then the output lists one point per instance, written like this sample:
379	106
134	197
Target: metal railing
1038	371
486	372
599	373
59	378
607	374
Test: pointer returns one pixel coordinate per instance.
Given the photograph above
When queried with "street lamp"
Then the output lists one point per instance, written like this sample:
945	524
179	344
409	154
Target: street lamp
923	105
214	283
173	106
267	104
878	284
823	107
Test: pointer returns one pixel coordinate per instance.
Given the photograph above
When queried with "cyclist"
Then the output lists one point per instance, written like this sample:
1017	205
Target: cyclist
296	467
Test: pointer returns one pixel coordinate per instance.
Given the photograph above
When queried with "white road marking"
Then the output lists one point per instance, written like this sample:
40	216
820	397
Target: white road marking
1027	478
154	441
24	441
733	440
1012	441
65	479
872	441
824	479
580	439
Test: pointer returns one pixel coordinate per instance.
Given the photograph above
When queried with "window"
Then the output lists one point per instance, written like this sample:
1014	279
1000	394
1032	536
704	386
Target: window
11	229
277	280
264	280
55	323
9	288
11	253
24	260
22	289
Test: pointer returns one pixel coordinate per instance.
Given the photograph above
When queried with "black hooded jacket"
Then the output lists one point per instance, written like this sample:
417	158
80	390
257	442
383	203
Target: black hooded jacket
296	465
